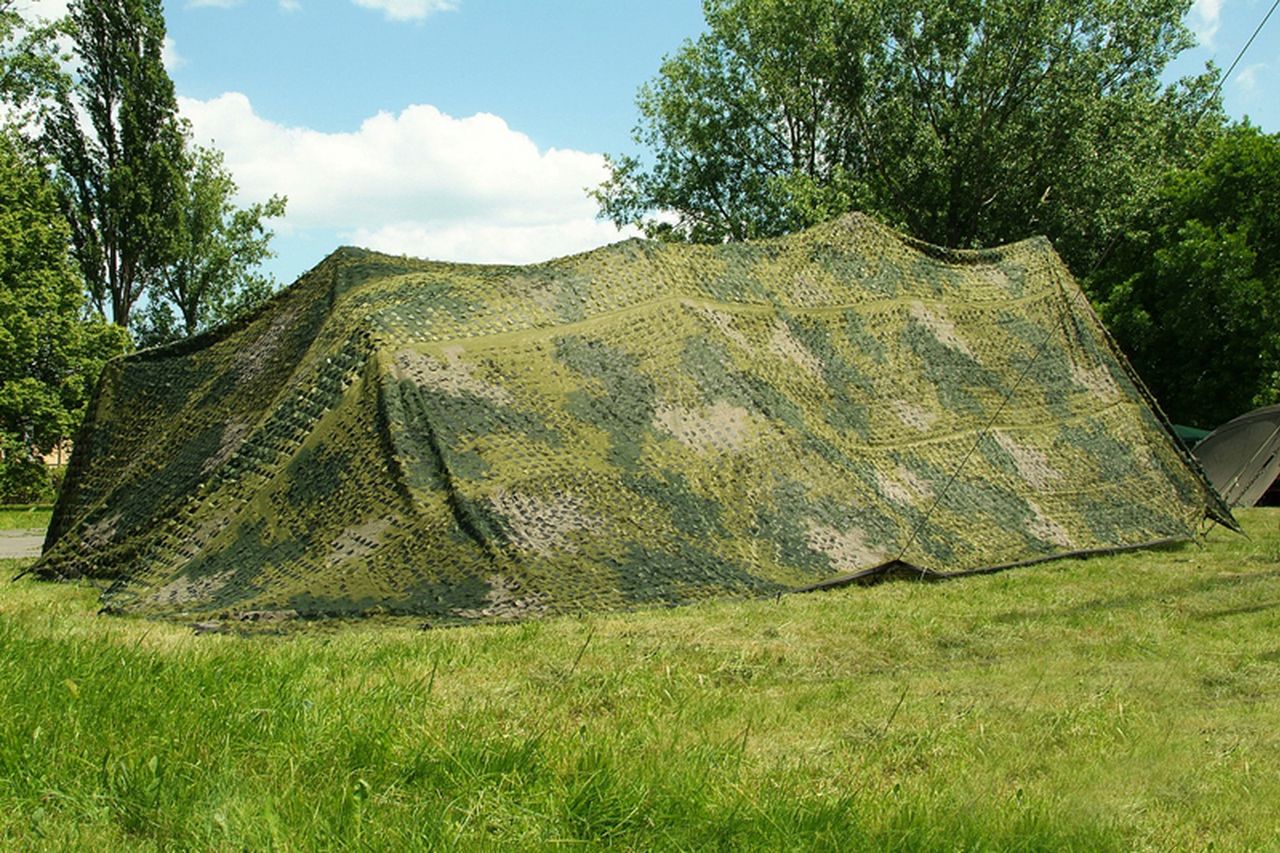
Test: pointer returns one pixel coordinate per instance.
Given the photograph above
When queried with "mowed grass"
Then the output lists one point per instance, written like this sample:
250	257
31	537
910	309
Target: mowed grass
1111	703
25	517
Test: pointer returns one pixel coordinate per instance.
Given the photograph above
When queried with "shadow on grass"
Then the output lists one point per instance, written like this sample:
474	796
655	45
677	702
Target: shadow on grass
1132	600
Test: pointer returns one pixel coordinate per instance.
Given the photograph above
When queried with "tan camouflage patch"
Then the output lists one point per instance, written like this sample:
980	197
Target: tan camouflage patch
847	550
1098	380
252	359
912	415
722	322
358	540
233	435
1033	466
452	376
199	538
995	277
784	345
893	490
720	426
505	599
543	525
805	292
918	486
183	589
101	532
545	297
1047	530
942	328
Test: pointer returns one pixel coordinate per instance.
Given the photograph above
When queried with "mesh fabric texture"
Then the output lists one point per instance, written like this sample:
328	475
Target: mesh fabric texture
644	423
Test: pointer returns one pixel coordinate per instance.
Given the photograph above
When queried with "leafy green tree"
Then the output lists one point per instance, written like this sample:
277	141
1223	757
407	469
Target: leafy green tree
213	275
50	353
30	73
1192	291
119	147
962	121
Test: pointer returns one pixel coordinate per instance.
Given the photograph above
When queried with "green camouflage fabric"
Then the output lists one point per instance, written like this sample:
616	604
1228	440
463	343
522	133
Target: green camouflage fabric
647	423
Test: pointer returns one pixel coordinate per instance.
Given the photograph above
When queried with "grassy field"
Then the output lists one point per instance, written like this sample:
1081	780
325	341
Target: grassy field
1112	703
24	517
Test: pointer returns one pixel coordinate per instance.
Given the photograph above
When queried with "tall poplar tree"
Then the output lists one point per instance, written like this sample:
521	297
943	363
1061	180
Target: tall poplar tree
119	142
29	70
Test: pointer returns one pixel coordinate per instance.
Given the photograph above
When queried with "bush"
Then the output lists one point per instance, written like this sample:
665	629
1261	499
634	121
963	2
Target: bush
29	481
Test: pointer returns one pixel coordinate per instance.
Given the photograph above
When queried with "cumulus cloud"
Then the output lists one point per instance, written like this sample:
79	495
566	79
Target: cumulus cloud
480	242
169	55
395	10
1204	19
286	5
1247	79
420	182
46	9
408	10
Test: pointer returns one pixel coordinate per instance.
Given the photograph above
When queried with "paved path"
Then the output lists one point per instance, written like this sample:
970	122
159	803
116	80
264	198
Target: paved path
20	543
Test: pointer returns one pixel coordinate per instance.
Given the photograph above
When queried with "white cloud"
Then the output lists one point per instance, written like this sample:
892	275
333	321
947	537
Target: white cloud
420	183
169	55
1247	79
1205	18
498	243
286	5
47	9
408	10
395	10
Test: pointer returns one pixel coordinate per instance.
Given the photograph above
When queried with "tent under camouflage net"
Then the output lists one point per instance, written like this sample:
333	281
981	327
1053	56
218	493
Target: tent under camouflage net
644	423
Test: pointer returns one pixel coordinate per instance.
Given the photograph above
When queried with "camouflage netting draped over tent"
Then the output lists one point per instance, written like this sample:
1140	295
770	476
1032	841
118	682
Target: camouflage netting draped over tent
644	423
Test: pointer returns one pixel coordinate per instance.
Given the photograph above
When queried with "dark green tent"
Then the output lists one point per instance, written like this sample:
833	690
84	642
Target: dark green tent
1191	436
1242	457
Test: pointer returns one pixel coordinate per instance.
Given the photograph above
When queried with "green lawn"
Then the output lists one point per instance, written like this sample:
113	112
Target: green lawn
24	517
1119	702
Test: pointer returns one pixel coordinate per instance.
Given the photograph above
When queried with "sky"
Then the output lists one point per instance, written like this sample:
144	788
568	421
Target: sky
469	130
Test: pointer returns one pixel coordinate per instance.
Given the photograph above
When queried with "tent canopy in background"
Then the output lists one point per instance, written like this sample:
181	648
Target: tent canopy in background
1241	458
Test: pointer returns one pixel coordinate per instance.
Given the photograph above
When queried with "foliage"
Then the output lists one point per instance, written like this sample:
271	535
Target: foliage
21	478
29	70
975	122
151	214
50	354
119	147
31	482
140	212
213	275
1192	292
1126	702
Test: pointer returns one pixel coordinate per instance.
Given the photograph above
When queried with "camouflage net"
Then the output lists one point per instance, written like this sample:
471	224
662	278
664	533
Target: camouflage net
644	423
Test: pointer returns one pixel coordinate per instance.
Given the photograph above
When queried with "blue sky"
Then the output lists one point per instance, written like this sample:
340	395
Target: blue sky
468	129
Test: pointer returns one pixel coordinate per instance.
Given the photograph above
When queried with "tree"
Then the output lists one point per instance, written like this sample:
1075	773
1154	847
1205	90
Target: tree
29	70
1192	291
50	353
969	122
212	276
120	168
